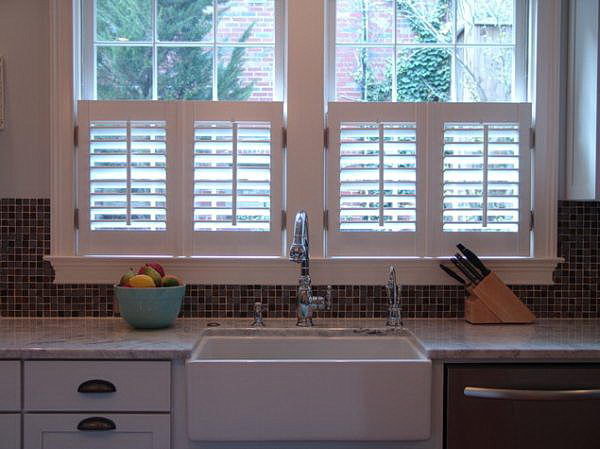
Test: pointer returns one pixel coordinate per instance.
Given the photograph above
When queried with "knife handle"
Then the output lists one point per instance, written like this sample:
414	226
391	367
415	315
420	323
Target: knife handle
472	257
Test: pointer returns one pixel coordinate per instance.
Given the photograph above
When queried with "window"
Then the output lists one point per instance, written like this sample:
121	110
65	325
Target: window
437	171
429	50
209	186
226	50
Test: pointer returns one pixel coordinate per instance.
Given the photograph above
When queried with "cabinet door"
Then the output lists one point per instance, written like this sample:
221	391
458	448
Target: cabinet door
558	409
10	431
10	386
113	431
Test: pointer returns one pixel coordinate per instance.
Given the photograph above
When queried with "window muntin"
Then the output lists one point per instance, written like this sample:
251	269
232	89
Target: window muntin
161	49
428	50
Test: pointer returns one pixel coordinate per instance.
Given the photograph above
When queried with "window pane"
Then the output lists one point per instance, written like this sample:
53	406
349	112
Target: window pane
124	73
485	21
424	74
251	21
484	74
184	73
123	20
361	21
424	21
364	74
246	73
184	20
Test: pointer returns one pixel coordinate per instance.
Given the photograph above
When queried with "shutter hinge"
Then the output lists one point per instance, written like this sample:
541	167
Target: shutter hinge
284	137
532	138
326	219
76	218
76	136
326	137
531	220
283	220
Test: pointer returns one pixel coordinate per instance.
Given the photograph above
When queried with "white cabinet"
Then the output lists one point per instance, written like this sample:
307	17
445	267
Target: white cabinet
10	385
74	386
10	431
101	431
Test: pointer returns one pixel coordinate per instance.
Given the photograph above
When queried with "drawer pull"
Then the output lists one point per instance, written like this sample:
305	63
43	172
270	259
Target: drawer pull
530	395
97	386
95	424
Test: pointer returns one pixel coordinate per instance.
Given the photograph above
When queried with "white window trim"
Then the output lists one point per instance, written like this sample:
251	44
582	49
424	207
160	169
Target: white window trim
306	118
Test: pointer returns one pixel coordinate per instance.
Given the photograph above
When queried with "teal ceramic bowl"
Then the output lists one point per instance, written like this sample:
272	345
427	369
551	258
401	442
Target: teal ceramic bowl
150	308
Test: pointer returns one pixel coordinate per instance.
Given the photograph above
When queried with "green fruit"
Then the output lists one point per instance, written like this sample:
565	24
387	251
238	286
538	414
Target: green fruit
170	281
125	278
149	271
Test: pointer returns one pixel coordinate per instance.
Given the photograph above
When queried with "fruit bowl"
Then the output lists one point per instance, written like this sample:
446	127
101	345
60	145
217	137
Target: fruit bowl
150	308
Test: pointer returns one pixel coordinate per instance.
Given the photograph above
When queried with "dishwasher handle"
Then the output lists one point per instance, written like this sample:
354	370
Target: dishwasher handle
531	395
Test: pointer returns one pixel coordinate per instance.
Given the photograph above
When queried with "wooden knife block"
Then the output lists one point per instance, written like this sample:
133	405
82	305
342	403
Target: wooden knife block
492	302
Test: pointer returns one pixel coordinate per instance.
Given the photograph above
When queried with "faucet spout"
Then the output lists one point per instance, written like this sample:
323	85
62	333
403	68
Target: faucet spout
394	313
299	249
299	253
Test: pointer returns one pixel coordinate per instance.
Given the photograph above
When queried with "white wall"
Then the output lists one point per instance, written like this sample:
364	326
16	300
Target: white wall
24	143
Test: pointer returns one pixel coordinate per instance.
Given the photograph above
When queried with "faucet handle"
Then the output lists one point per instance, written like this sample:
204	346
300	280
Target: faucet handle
328	297
258	317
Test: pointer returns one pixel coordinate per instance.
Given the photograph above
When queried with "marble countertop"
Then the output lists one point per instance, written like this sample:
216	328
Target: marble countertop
445	339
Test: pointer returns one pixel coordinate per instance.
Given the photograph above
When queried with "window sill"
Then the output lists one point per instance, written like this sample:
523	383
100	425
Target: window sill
280	271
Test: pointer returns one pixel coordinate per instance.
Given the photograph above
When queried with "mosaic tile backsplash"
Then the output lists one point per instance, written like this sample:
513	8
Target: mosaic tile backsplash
26	287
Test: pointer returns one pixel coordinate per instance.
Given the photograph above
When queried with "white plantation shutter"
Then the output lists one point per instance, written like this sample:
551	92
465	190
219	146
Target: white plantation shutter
236	177
232	176
375	179
483	194
123	197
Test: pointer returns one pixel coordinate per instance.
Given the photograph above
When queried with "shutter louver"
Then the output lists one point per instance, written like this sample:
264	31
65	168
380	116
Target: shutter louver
481	177
377	190
232	176
127	163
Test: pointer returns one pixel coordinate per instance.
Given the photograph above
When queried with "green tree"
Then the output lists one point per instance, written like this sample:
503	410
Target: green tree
125	72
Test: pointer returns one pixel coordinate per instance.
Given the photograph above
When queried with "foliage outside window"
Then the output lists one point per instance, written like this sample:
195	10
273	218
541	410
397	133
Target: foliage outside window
184	50
426	50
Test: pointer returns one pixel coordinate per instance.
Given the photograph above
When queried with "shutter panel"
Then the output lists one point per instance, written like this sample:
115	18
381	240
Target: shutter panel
374	179
123	191
483	194
481	177
232	176
236	178
128	175
377	177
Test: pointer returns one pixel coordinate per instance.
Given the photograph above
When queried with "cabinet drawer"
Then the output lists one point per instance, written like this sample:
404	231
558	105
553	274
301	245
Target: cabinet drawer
112	431
97	386
523	406
10	431
10	385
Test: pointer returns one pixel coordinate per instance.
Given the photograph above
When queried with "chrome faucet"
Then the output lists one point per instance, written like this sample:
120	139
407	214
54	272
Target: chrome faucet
394	315
299	253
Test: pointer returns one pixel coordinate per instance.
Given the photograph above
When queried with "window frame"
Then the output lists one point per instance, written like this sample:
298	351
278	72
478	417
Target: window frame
305	113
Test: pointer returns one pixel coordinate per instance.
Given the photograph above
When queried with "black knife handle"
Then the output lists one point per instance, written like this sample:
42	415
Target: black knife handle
472	257
452	274
463	271
469	266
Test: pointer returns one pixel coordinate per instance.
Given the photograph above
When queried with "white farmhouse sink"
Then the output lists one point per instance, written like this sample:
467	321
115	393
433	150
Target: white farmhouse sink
308	385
